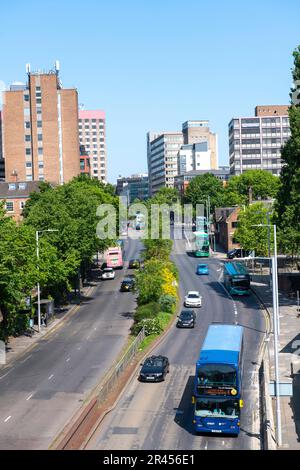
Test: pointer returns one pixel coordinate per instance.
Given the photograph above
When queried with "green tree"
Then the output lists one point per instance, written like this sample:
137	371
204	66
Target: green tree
149	282
203	186
288	201
249	236
264	185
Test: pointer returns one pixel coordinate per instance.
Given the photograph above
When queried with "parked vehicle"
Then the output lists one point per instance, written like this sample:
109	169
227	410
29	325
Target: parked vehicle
202	269
154	369
237	253
108	273
127	284
186	319
193	299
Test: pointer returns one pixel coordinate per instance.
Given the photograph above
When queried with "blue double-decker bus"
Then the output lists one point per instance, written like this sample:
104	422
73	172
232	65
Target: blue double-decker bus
218	381
236	278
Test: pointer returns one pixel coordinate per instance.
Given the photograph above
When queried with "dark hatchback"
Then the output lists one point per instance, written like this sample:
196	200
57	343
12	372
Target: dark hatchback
127	284
154	369
134	264
237	253
186	319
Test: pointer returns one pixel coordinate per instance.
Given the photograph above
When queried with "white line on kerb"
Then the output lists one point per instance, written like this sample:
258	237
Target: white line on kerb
50	376
6	419
28	398
26	359
2	376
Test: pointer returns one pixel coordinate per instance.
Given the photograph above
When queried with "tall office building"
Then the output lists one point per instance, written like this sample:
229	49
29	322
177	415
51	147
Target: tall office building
133	187
40	129
255	142
93	136
162	159
195	132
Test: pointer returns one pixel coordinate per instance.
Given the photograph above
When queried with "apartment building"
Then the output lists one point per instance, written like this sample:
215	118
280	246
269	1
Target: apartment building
162	160
255	142
2	169
40	129
92	135
181	181
15	195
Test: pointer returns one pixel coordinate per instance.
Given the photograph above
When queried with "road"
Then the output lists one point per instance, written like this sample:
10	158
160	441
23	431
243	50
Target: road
42	390
158	416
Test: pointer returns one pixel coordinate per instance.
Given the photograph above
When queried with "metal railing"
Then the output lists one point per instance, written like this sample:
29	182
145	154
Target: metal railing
115	372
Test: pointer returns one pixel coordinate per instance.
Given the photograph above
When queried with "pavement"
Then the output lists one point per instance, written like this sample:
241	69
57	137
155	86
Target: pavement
289	359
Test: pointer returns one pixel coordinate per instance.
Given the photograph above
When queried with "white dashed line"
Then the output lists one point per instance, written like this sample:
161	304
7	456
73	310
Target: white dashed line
28	398
6	419
22	362
49	378
95	329
2	376
67	360
79	348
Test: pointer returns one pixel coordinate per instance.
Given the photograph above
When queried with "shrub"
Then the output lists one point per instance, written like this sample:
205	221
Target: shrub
149	310
167	303
152	326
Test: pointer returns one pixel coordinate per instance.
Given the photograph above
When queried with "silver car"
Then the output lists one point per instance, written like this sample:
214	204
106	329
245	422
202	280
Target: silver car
108	273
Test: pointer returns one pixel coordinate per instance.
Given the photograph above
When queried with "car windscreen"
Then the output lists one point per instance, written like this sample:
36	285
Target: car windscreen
217	408
193	296
186	315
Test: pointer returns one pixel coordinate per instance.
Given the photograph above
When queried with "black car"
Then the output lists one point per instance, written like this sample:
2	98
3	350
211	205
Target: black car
134	264
154	369
186	319
127	284
237	253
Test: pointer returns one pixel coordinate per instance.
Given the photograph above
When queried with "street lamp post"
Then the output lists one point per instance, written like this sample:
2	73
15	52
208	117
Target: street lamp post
38	283
276	327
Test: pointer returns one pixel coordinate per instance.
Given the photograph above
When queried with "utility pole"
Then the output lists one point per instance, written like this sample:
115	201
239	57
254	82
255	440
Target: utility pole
275	326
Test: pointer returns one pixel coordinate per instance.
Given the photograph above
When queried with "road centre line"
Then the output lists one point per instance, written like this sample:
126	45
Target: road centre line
6	419
52	375
2	376
28	398
67	360
22	362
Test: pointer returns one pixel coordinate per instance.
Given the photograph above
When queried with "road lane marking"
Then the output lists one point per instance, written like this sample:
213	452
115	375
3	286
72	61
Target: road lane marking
28	398
206	446
22	362
67	360
88	337
79	348
2	376
95	328
6	419
49	378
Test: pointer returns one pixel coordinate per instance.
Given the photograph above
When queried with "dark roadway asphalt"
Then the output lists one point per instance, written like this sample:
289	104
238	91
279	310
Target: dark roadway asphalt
42	390
159	416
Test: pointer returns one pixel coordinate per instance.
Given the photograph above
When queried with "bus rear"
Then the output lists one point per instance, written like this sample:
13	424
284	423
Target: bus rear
237	278
114	258
201	244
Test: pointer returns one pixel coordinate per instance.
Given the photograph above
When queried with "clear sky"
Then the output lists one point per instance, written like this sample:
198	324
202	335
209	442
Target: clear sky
153	64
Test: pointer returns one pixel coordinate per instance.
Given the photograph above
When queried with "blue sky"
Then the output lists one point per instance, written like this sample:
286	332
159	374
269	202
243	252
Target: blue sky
152	64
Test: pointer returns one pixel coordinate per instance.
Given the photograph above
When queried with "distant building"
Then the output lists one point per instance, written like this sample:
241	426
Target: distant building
225	225
162	160
85	165
15	196
198	131
255	142
2	168
40	129
171	153
182	181
92	135
133	187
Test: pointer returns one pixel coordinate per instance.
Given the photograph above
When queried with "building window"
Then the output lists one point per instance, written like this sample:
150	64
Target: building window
9	206
234	224
93	120
41	165
22	186
28	165
40	137
38	101
39	123
39	111
22	205
26	112
28	177
41	178
40	150
27	124
11	186
28	151
37	88
26	97
27	138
